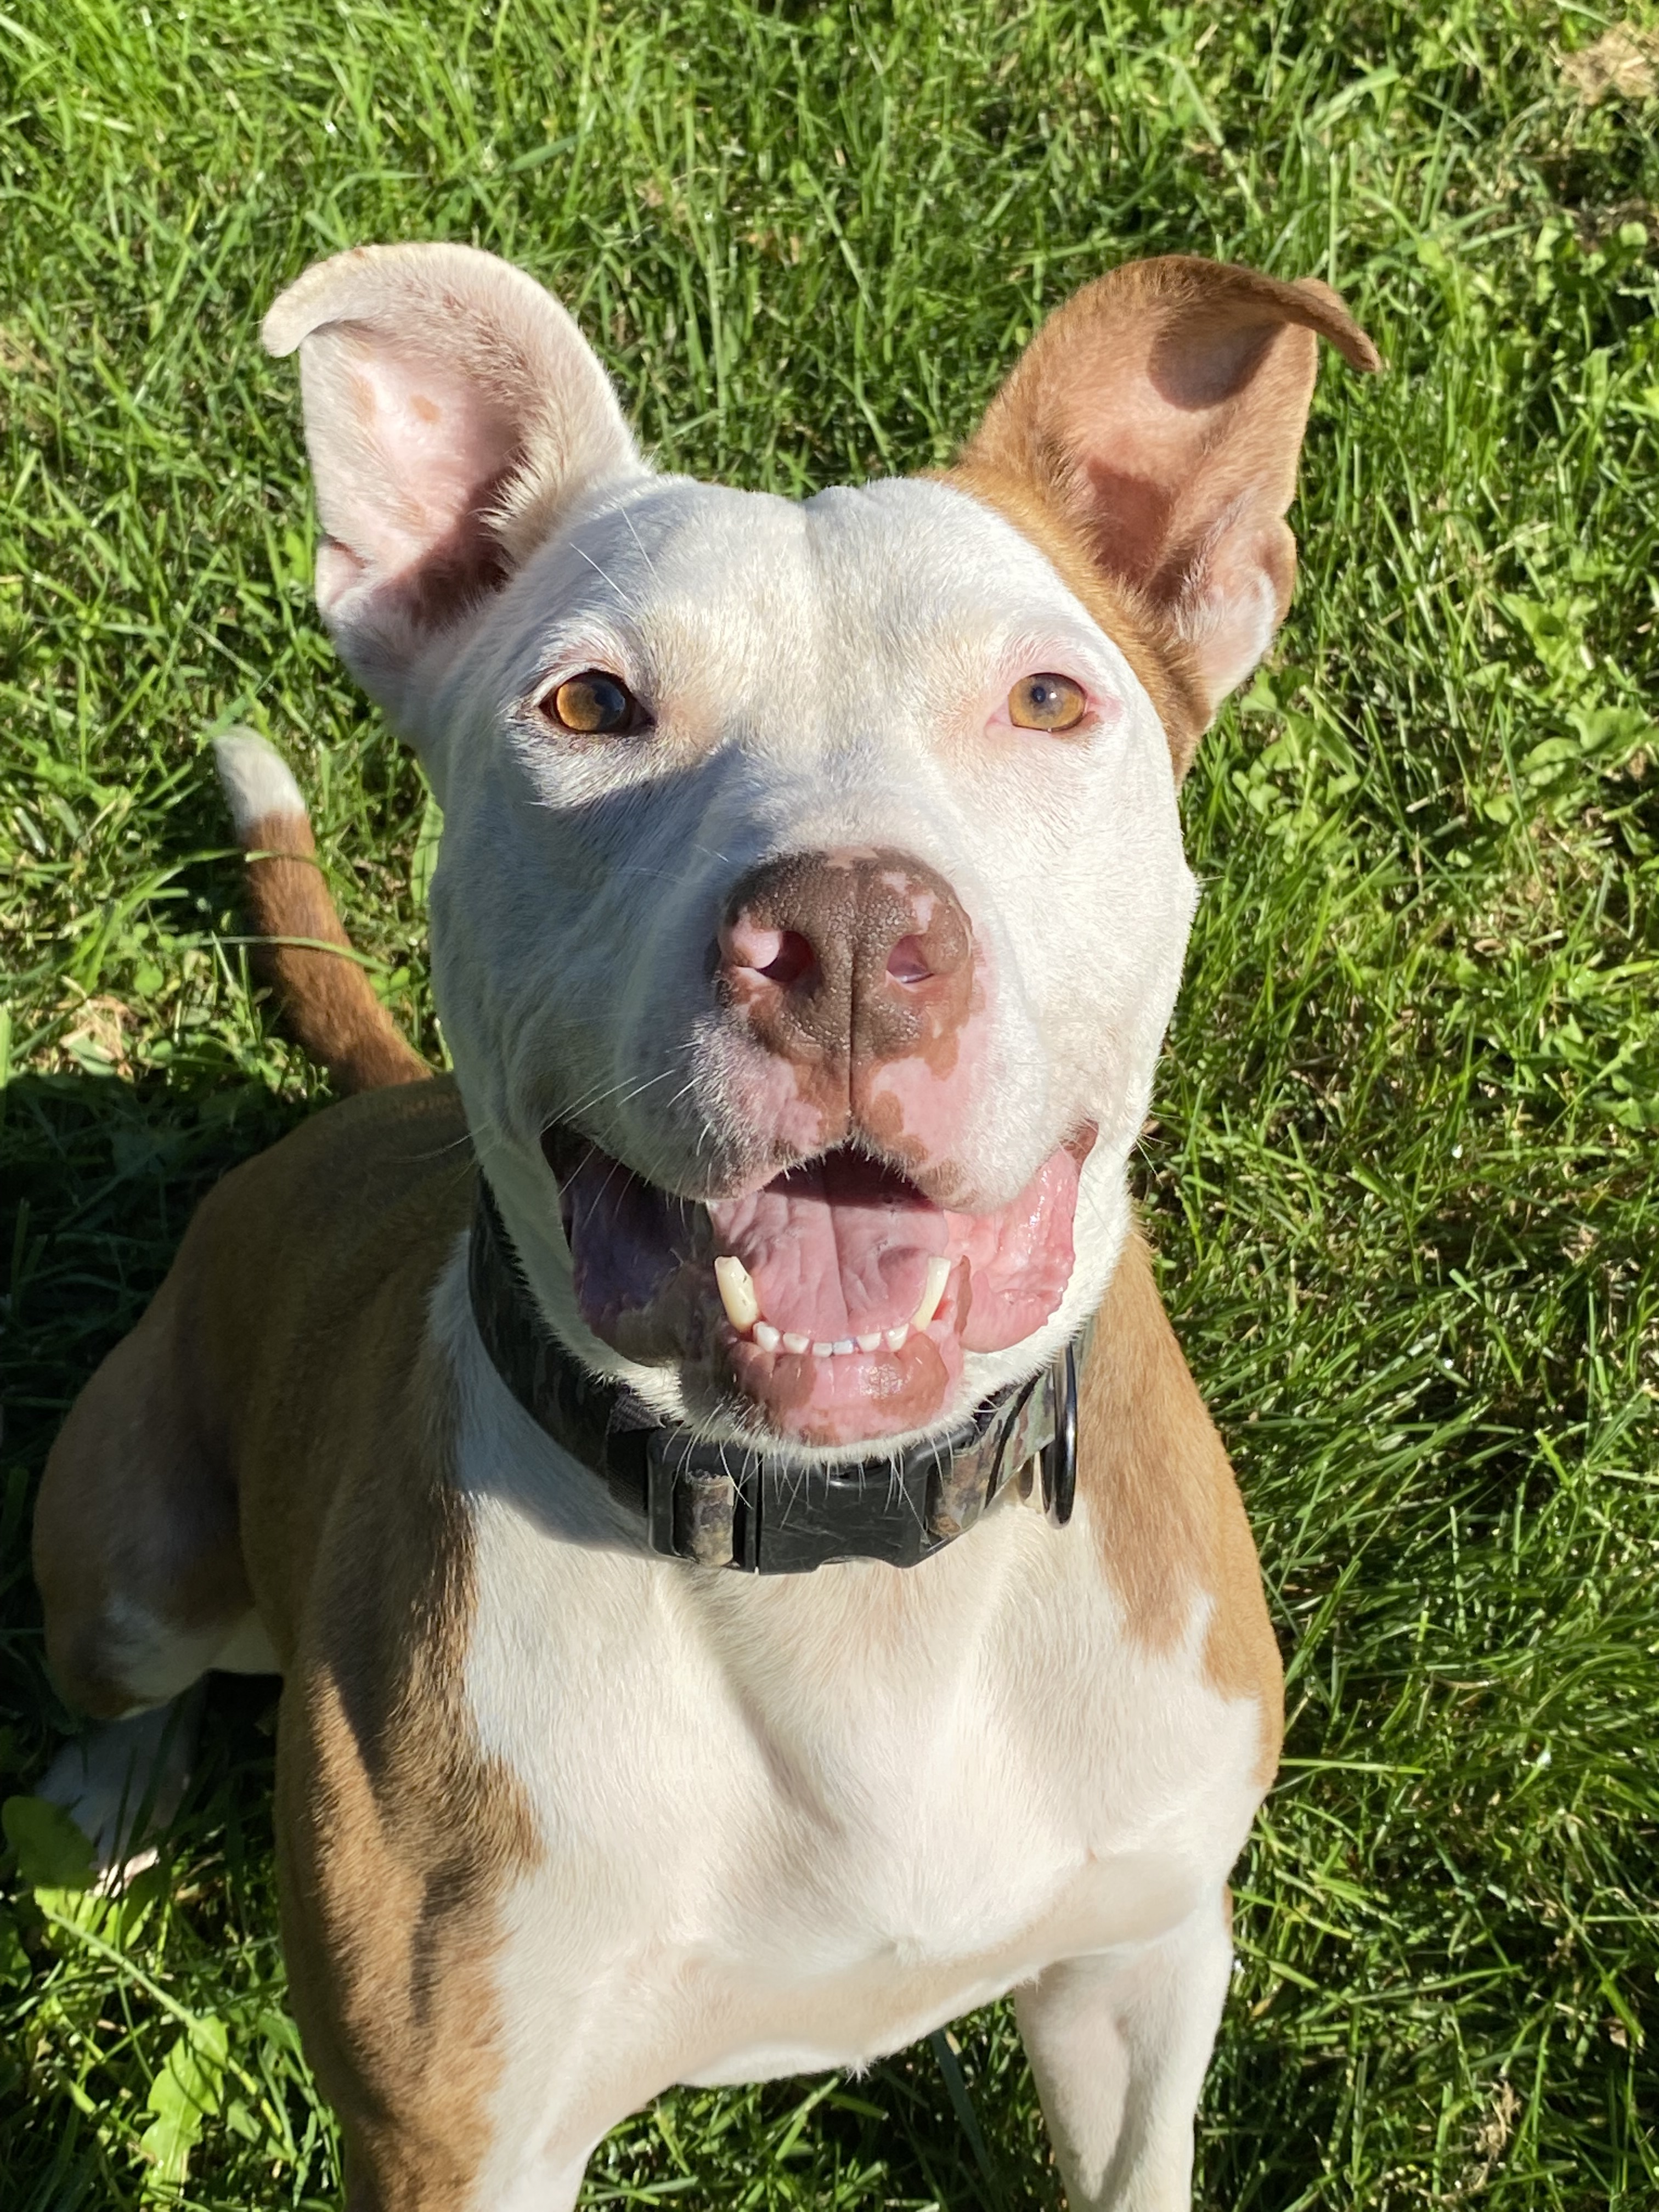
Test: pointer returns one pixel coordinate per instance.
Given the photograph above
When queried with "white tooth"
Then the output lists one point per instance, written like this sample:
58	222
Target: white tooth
871	1343
938	1274
842	1346
895	1336
765	1336
822	1351
737	1293
791	1342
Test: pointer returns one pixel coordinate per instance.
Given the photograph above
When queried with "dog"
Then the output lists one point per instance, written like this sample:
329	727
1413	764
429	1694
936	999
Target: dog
752	1575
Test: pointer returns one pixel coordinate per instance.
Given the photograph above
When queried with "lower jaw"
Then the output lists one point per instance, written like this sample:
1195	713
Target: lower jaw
849	1397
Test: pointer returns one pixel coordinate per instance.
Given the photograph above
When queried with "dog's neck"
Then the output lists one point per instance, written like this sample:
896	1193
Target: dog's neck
725	1505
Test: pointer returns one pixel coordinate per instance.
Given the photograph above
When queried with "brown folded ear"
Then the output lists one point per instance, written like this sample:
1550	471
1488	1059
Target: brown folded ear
1151	428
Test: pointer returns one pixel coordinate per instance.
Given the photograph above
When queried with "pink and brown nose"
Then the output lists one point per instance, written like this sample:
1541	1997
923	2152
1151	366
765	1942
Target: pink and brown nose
847	962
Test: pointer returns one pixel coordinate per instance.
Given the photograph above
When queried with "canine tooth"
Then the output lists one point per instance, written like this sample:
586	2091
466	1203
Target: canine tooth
822	1351
765	1336
737	1291
842	1346
938	1274
894	1337
872	1342
793	1342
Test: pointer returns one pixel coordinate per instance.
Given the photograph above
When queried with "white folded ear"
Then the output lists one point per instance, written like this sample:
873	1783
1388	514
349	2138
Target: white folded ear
1159	413
453	412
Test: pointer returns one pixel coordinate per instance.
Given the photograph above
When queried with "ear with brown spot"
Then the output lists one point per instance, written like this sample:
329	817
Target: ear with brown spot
1157	416
453	413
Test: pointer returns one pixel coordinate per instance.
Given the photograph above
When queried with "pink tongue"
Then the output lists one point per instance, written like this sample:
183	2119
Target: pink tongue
841	1247
835	1249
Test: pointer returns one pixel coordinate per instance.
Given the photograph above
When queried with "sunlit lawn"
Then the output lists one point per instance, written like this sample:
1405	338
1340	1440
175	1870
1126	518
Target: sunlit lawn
1401	1175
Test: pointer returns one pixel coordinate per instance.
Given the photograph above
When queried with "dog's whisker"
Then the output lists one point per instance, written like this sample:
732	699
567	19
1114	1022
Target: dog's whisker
620	1088
582	552
644	554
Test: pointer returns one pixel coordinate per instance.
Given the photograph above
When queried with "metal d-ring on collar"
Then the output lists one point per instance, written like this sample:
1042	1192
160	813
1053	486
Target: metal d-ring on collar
724	1505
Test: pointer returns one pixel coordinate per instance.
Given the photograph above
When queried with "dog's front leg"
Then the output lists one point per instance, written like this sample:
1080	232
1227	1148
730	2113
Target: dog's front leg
1119	2048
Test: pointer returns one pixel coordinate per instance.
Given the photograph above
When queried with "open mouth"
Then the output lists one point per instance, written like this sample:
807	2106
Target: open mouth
832	1305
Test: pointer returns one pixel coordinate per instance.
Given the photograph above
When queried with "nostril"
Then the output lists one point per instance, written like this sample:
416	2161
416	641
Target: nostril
907	962
790	961
782	956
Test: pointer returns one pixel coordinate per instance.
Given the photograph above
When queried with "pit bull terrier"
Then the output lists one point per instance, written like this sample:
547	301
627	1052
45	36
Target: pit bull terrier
752	1575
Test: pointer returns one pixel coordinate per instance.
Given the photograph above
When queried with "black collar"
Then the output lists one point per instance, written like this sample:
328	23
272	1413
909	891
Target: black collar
723	1505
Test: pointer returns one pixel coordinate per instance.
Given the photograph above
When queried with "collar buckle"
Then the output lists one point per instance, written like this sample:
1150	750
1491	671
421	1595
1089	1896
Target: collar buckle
723	1505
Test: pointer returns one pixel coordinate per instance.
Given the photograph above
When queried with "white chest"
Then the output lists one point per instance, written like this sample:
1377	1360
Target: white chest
794	1823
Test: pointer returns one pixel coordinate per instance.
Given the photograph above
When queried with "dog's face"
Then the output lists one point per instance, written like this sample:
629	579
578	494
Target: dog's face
832	961
811	902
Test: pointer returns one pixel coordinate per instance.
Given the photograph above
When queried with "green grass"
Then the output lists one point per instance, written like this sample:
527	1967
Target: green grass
1402	1170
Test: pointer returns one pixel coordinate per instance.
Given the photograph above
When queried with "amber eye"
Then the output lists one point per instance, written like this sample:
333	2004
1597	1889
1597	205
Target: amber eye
593	704
1045	702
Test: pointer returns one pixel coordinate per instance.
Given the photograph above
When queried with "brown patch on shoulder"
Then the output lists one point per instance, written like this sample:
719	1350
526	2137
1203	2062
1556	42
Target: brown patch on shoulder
1163	1498
1163	665
397	1836
288	1417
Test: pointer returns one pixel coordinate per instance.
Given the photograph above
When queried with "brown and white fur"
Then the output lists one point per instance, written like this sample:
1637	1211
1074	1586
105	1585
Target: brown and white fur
561	1822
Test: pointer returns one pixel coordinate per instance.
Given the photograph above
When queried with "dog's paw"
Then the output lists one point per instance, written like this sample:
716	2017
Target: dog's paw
122	1783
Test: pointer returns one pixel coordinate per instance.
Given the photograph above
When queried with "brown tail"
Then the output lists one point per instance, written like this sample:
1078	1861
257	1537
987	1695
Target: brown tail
301	949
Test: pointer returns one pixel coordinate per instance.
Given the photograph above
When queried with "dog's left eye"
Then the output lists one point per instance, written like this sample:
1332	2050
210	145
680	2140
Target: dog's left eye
1047	703
593	704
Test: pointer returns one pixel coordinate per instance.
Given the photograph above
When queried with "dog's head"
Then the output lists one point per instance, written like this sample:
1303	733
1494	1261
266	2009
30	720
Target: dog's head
811	902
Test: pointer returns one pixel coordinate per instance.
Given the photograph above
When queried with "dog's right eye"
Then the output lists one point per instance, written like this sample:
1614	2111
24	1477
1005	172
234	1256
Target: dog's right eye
593	704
